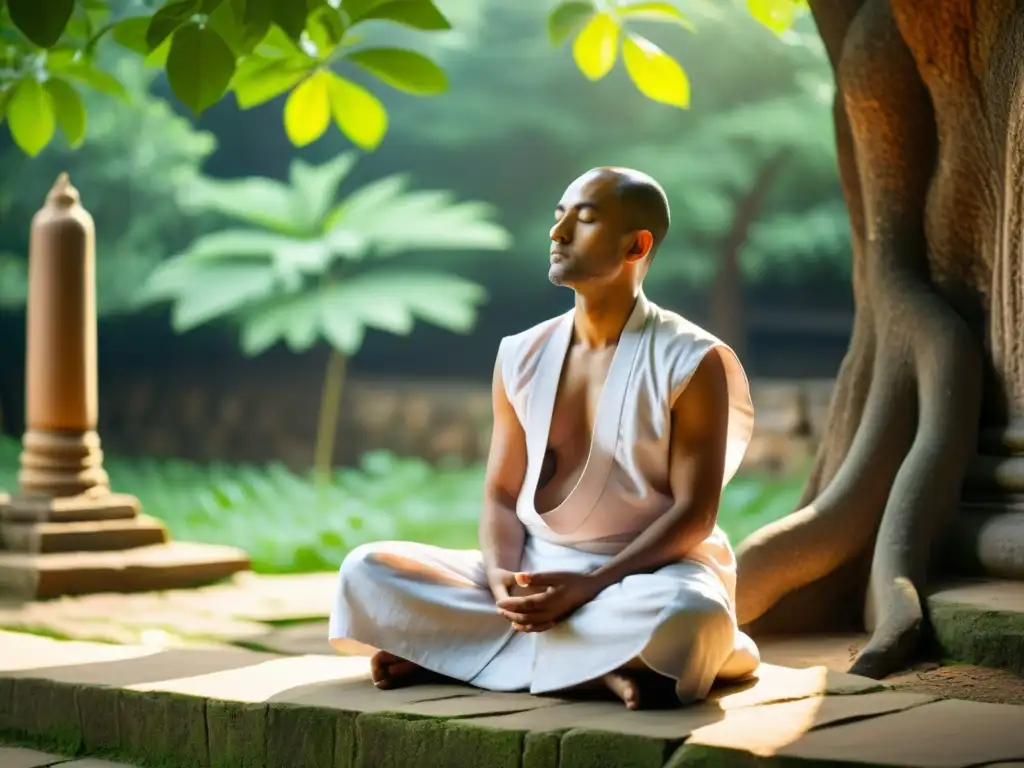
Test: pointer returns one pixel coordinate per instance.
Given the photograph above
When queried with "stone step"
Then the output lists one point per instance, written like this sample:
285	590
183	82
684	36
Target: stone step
71	509
231	708
171	565
980	622
83	536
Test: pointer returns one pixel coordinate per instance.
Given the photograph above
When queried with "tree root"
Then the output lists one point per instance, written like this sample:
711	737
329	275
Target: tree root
882	496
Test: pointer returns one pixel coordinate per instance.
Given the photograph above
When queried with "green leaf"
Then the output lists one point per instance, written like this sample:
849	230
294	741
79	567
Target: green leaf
200	66
69	110
596	46
417	14
401	69
277	45
326	28
290	16
316	186
86	74
263	202
168	19
776	15
257	18
295	319
41	21
226	21
656	74
307	112
664	12
567	19
219	290
357	112
259	80
131	34
5	95
30	116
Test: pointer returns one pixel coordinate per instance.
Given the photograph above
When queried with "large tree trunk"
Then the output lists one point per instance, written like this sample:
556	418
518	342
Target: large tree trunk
930	134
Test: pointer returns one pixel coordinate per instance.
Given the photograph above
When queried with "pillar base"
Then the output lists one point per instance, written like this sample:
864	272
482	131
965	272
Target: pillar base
172	565
51	547
987	536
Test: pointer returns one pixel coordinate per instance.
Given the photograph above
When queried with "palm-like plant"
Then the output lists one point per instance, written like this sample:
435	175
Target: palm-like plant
308	268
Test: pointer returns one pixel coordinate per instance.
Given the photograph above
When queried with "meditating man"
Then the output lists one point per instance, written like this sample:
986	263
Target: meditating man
616	425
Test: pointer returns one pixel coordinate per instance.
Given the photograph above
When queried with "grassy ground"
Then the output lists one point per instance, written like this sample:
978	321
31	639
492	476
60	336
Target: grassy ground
288	523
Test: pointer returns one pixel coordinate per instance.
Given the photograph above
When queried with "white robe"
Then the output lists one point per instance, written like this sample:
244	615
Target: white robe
432	606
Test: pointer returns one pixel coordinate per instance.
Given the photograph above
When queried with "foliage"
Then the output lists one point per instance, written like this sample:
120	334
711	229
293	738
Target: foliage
289	523
256	49
261	49
137	154
307	268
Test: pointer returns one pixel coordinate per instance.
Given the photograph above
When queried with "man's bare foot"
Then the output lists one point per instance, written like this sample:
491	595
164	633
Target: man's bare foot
390	671
625	687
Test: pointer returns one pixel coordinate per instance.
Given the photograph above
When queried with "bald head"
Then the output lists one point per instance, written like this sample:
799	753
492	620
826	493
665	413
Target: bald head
644	202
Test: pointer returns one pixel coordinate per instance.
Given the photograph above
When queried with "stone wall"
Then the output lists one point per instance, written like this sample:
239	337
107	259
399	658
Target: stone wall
272	416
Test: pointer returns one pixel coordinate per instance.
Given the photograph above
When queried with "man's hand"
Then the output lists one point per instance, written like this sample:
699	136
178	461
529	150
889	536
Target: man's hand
556	595
501	583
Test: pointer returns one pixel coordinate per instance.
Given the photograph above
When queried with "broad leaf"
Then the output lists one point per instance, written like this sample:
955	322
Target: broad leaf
69	110
656	11
41	21
367	200
130	33
596	46
290	16
220	290
200	66
263	202
316	186
85	74
326	28
170	17
567	19
418	14
403	70
258	80
30	115
307	112
656	74
357	112
294	320
776	15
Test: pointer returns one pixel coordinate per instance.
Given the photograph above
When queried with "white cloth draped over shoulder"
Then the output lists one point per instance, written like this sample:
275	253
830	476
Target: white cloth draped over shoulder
432	606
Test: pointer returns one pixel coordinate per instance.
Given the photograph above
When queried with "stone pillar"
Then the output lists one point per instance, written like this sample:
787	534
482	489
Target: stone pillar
988	538
65	531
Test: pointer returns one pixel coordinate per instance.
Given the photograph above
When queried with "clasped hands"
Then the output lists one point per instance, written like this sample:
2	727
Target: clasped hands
551	596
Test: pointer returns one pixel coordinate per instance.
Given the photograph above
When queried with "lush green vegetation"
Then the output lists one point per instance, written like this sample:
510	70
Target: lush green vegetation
290	523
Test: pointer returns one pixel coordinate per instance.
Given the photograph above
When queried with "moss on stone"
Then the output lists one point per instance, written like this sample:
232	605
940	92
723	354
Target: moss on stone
302	737
46	713
396	740
705	756
236	734
972	635
98	710
541	749
585	748
158	728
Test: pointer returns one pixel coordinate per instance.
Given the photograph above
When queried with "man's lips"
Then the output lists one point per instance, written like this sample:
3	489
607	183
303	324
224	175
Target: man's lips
558	256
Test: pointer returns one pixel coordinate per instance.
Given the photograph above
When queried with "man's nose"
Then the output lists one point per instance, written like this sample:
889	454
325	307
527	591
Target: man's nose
560	233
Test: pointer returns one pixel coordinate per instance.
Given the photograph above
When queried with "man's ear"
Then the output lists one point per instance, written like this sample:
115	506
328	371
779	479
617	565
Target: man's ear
643	241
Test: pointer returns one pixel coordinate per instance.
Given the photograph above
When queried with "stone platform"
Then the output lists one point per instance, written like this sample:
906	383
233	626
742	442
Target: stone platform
232	708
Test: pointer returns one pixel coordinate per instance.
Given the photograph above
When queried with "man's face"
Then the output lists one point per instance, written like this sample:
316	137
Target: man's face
589	242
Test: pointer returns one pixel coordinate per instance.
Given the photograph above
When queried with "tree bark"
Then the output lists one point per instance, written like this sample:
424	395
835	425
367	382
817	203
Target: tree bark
930	134
727	321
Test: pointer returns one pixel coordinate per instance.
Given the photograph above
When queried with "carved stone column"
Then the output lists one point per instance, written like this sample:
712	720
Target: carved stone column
65	531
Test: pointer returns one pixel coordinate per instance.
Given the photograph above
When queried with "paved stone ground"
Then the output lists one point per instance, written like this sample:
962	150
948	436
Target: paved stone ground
287	615
227	708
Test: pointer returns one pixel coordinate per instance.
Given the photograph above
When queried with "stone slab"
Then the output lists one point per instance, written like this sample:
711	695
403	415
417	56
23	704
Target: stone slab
93	763
942	734
309	638
164	566
68	509
766	730
82	536
15	757
837	652
980	622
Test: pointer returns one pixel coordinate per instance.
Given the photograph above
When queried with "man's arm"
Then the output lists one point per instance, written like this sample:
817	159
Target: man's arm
700	419
501	533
